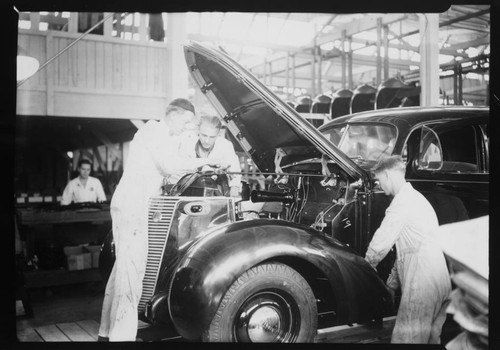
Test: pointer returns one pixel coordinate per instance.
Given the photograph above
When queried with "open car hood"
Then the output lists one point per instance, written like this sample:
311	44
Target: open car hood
259	120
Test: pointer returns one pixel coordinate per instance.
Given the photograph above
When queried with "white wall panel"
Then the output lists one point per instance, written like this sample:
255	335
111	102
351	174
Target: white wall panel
97	77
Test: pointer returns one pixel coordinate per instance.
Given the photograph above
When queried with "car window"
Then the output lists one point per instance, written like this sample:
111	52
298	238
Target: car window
430	154
368	141
449	149
334	134
486	143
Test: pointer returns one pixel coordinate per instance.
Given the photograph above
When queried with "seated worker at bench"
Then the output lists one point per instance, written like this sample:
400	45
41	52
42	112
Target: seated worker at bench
83	188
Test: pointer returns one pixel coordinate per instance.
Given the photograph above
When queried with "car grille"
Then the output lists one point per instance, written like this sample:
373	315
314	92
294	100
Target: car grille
158	230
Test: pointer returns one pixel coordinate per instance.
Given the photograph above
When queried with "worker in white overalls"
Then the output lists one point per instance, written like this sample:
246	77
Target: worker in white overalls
420	269
153	154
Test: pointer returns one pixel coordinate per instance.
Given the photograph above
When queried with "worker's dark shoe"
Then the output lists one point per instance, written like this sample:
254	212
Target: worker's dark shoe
102	339
138	339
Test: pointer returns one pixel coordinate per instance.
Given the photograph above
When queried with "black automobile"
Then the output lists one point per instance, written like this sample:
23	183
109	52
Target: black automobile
281	263
446	150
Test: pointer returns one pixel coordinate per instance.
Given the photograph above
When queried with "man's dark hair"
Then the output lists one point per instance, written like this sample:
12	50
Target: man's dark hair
84	161
179	104
390	162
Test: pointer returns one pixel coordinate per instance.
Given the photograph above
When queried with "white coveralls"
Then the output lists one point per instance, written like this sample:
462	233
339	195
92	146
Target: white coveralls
153	154
411	223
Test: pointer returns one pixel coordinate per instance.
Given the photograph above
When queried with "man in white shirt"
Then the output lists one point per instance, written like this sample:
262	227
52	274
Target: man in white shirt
420	269
83	188
153	155
210	143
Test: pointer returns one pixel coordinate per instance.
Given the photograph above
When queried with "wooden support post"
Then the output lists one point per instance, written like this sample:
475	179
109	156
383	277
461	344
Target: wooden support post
343	59
107	26
49	73
73	23
429	59
379	49
460	86
313	74
35	20
287	73
455	84
350	81
143	27
320	63
100	162
386	51
177	73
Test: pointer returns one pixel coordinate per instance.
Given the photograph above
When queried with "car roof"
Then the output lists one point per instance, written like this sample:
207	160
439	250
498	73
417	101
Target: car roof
410	116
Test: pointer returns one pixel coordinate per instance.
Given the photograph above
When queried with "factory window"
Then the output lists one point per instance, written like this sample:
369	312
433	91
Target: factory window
126	25
87	20
47	21
56	20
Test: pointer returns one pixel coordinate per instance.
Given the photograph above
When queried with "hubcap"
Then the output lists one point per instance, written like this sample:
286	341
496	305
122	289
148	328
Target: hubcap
267	316
264	325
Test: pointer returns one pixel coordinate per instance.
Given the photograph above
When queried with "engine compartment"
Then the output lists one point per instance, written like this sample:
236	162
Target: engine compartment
315	193
313	198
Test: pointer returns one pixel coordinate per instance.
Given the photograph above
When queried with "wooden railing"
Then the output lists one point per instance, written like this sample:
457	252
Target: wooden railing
100	76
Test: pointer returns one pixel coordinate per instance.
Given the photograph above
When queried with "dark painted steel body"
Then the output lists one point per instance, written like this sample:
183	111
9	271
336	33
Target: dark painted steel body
215	261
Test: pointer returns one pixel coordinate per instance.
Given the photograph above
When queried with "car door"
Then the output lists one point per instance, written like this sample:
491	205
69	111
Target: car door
449	164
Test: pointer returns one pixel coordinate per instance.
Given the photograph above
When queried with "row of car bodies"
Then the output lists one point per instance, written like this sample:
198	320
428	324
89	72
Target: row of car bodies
389	94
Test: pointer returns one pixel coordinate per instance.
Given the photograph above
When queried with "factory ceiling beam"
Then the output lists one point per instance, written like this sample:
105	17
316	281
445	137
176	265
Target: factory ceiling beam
306	55
404	46
449	22
474	43
464	18
238	41
326	25
465	26
358	26
358	60
276	57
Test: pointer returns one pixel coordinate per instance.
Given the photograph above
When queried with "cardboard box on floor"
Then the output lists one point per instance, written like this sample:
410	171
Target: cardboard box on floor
78	258
95	250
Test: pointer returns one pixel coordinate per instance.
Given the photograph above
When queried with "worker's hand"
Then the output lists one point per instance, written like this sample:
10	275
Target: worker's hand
217	163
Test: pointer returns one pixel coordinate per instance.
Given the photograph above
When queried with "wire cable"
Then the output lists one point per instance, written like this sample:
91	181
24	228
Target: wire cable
66	48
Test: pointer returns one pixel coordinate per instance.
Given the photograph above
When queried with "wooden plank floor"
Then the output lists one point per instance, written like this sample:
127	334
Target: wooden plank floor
357	333
86	331
81	331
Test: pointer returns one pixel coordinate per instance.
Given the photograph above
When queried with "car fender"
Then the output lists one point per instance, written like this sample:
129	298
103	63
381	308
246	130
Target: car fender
215	261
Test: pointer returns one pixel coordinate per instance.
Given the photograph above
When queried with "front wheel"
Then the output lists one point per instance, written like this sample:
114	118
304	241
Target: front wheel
268	303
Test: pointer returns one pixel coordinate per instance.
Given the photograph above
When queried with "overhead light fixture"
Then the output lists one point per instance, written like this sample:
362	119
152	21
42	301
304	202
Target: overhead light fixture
26	64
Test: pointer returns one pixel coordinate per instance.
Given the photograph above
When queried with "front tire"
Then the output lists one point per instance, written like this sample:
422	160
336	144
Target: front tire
270	302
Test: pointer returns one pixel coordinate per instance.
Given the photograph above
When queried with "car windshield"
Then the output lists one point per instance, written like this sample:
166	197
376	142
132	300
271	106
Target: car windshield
364	141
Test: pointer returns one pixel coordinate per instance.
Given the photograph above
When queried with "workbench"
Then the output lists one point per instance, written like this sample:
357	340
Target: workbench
30	216
36	223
